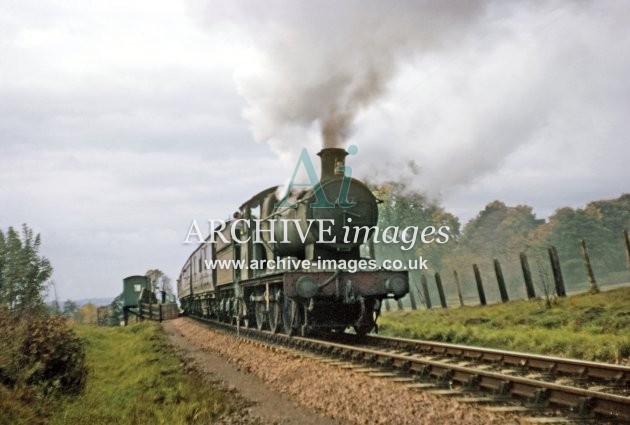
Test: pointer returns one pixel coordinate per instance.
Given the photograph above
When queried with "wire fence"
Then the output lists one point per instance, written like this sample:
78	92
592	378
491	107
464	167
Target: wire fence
533	273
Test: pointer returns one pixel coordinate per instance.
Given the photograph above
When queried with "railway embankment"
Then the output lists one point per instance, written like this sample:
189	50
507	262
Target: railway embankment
586	326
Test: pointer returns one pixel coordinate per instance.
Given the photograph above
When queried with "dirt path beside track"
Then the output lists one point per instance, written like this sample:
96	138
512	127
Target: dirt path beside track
256	402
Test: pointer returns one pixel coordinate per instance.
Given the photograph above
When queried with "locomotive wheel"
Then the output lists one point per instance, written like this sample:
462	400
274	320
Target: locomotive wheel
261	316
246	323
367	323
242	312
290	316
364	328
275	316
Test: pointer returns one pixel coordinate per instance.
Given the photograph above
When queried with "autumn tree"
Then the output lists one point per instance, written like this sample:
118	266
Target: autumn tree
159	281
87	314
499	229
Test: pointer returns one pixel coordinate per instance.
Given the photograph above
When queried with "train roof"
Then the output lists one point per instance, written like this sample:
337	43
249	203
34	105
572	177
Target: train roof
255	200
252	202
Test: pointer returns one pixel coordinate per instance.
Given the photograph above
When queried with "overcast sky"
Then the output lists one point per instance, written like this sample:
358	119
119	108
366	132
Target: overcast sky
122	121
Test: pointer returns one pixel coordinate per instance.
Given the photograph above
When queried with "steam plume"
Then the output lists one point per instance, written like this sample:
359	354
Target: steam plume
324	62
440	94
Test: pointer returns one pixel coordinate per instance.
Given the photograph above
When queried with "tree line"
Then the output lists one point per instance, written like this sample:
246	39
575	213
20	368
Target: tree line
501	232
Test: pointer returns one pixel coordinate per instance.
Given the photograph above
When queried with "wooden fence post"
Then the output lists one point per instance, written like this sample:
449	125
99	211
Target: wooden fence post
501	281
626	240
425	291
459	288
387	306
412	299
482	294
440	288
589	269
557	272
527	275
160	307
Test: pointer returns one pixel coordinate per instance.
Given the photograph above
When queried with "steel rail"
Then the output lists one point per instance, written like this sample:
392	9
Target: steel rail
619	374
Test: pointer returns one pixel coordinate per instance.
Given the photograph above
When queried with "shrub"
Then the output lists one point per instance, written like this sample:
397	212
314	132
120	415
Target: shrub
42	353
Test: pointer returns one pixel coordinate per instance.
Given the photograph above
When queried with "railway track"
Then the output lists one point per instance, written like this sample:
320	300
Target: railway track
583	374
584	390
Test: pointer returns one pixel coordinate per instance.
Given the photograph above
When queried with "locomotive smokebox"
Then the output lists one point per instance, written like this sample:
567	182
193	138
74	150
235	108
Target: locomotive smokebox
332	159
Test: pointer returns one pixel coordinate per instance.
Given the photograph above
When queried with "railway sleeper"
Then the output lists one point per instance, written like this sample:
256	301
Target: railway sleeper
440	351
319	349
578	405
615	379
504	390
402	365
583	409
346	355
472	356
421	371
571	370
472	383
336	351
533	396
444	379
539	399
409	348
371	358
357	356
512	360
453	352
385	362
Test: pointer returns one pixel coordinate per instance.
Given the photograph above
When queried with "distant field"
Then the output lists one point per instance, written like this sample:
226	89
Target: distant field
135	379
591	327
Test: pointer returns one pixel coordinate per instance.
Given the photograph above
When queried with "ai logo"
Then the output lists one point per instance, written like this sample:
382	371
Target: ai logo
313	182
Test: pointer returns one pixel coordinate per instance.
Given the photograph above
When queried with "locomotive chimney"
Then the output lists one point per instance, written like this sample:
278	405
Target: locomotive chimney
332	158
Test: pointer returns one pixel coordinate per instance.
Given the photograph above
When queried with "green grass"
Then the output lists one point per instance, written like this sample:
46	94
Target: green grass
591	327
134	378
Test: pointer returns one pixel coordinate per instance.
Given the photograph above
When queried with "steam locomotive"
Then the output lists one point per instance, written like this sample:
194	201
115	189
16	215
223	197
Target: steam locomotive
296	300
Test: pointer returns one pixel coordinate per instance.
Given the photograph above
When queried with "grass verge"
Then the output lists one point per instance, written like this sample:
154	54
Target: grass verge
590	327
134	378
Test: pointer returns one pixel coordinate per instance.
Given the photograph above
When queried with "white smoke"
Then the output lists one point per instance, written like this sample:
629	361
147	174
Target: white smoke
434	93
323	62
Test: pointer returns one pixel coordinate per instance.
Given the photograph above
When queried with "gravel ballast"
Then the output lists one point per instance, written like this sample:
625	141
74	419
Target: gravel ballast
338	393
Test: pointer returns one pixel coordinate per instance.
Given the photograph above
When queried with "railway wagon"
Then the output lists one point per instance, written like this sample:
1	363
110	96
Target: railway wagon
132	287
271	229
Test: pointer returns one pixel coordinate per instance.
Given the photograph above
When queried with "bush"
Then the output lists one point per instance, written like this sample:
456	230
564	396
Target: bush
42	353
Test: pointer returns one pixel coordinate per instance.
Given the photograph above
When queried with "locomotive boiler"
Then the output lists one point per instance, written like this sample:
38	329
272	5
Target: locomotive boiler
315	234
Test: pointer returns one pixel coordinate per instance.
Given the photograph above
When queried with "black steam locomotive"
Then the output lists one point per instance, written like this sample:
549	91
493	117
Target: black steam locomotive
294	299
